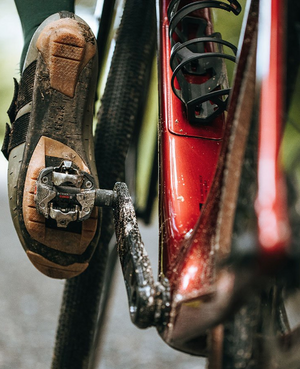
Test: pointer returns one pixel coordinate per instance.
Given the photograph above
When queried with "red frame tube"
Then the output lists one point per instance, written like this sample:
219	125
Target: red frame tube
186	155
188	161
271	206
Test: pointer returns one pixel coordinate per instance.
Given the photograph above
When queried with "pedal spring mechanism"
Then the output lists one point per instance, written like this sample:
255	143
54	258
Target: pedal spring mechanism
197	59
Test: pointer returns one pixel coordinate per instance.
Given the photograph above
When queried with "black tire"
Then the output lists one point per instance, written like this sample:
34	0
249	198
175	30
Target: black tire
125	90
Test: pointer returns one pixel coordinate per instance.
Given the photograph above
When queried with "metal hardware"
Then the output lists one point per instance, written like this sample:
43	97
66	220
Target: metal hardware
65	194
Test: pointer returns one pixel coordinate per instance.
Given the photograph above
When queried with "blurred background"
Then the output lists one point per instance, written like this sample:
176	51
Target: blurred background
29	301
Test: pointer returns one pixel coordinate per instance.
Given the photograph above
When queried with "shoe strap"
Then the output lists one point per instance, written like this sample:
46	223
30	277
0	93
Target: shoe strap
19	111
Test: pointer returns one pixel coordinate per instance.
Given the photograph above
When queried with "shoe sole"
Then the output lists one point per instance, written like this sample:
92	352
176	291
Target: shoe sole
59	129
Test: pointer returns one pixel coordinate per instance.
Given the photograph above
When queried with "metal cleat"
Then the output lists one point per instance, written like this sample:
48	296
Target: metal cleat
65	194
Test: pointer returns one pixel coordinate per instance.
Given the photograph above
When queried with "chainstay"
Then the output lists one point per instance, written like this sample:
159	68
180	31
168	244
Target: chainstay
116	120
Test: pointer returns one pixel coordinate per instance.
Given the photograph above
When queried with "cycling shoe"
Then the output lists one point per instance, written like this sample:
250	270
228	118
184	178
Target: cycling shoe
51	126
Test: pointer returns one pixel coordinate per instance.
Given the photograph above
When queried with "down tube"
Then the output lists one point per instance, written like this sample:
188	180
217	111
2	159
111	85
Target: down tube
188	160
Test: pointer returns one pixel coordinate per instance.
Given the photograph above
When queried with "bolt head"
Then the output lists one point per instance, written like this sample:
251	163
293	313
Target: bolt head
88	184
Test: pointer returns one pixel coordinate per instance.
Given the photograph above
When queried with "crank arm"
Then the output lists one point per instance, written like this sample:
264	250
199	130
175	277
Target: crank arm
149	301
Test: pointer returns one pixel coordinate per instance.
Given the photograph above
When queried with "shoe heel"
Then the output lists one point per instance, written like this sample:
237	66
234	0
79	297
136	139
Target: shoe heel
66	48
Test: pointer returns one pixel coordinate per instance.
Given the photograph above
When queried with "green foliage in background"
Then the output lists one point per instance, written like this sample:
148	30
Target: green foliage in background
290	150
11	41
229	26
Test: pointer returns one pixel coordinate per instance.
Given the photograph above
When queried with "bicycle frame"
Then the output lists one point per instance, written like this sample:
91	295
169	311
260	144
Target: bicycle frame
192	181
188	160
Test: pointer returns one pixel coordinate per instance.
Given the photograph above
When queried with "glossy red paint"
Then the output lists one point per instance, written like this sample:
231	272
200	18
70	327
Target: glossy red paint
188	161
200	297
188	157
271	207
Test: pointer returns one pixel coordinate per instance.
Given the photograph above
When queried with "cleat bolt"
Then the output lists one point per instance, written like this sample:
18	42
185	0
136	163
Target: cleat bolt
88	184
